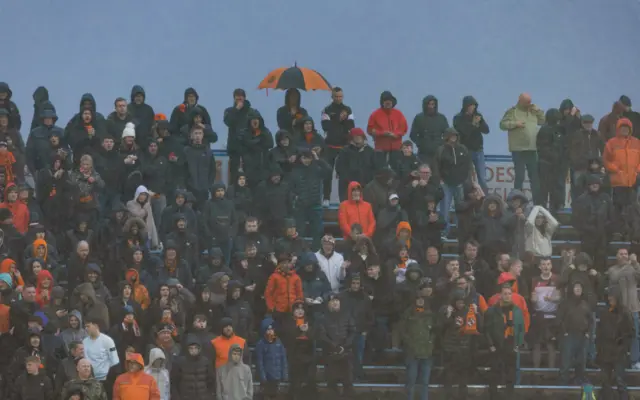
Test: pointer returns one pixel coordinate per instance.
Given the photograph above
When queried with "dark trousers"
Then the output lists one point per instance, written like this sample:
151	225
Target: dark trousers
573	353
552	186
458	368
339	370
343	186
503	370
234	166
329	154
269	389
526	160
613	375
622	197
313	216
301	373
201	198
596	247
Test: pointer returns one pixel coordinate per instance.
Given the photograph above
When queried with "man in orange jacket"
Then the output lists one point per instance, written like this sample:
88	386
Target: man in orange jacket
621	159
135	384
355	210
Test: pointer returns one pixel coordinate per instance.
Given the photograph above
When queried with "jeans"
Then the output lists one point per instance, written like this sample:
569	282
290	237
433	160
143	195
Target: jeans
477	157
158	204
358	353
573	351
526	159
424	365
451	193
314	216
591	349
613	375
635	343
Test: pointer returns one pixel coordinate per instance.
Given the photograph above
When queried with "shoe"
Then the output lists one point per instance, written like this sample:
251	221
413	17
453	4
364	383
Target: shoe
325	203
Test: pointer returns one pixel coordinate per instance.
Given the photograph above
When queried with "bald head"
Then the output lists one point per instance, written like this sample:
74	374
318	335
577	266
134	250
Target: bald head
84	368
524	100
82	249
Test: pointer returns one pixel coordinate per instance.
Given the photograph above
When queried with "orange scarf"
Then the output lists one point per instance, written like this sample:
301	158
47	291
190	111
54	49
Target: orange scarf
508	330
420	309
470	326
308	137
403	263
257	132
133	326
171	265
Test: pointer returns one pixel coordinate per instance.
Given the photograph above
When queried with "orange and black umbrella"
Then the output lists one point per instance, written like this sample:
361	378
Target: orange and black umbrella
294	78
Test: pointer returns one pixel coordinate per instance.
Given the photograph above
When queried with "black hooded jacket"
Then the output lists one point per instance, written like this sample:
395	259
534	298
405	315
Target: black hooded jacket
192	377
427	129
256	145
210	136
307	141
470	133
280	154
98	119
201	167
15	120
180	113
142	113
550	140
337	129
236	120
356	164
275	199
220	217
39	150
40	97
154	170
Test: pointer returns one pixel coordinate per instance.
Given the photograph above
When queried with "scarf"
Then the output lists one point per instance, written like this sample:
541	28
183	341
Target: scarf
300	322
7	160
171	265
403	263
308	137
470	326
420	309
169	321
134	328
508	322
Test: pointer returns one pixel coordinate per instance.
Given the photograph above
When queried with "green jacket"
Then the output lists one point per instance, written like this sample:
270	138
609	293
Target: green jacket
418	332
494	326
521	139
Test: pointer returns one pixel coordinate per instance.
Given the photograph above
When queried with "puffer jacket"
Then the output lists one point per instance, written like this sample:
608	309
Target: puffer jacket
356	212
271	357
427	129
470	133
418	333
315	283
192	377
306	182
336	329
283	290
622	157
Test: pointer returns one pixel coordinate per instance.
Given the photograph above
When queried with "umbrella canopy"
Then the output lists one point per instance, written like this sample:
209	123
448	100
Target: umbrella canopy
294	78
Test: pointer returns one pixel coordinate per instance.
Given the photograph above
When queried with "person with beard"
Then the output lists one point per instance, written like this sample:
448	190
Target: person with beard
315	285
142	112
551	144
154	169
52	193
271	360
174	266
504	331
275	205
67	368
356	301
186	242
592	216
15	120
419	333
211	263
127	332
377	190
306	187
256	141
75	331
336	333
239	309
355	163
38	150
225	341
290	116
32	384
193	375
285	153
221	219
428	129
167	220
337	123
242	197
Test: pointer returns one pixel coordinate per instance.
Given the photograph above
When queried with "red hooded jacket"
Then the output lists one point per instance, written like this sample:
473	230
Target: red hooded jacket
387	120
356	212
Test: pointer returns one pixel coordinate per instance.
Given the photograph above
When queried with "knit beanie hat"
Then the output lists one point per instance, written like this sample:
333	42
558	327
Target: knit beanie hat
129	130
